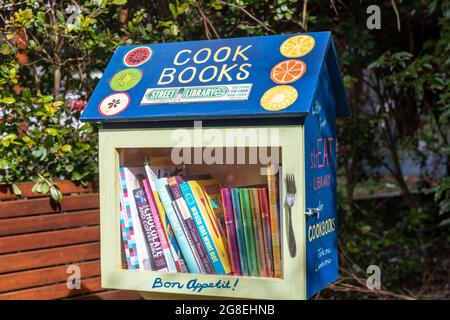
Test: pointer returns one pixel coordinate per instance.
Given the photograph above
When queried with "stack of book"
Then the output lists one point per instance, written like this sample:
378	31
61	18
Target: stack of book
177	224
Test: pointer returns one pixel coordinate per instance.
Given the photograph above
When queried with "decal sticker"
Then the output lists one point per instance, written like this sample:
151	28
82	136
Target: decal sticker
114	104
288	71
125	79
137	56
297	46
226	92
278	98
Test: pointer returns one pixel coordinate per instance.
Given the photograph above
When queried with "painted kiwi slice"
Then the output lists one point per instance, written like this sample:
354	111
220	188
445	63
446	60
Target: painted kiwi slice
125	79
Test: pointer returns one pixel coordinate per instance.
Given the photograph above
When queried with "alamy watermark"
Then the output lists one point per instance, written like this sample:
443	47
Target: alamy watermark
74	280
374	280
259	146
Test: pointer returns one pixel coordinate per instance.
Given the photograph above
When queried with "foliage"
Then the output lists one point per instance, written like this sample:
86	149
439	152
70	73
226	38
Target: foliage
52	54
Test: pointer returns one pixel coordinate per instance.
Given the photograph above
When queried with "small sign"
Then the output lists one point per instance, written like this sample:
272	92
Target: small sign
230	92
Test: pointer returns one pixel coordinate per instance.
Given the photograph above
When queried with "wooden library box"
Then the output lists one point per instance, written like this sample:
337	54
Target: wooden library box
218	167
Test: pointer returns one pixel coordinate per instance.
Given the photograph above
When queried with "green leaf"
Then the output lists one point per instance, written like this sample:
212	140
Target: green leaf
119	2
76	176
45	188
55	194
8	100
69	167
4	164
16	189
66	148
5	49
41	17
35	188
52	131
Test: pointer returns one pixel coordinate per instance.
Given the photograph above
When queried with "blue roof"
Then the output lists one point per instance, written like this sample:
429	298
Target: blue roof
269	76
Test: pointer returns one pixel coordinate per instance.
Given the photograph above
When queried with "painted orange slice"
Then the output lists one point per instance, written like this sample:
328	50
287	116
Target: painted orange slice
279	98
288	71
297	46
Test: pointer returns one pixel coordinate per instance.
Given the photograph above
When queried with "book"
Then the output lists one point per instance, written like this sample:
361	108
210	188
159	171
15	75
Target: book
231	230
189	227
257	229
171	267
128	176
211	189
250	245
157	259
127	232
206	226
272	190
239	231
164	194
265	217
175	251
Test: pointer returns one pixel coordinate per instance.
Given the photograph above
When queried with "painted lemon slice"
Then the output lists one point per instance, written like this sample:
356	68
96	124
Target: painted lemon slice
114	104
278	98
125	79
288	71
297	46
137	56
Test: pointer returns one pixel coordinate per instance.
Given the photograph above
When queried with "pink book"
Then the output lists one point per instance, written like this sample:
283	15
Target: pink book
231	231
159	227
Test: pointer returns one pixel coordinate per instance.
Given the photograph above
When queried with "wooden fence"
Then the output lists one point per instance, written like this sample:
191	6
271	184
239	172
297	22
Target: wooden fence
39	239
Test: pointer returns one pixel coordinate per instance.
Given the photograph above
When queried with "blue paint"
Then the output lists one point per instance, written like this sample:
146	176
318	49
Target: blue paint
261	53
320	175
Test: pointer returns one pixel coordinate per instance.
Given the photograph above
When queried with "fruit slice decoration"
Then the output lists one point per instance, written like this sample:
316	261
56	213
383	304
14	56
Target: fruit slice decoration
288	71
279	98
125	79
137	56
114	104
297	46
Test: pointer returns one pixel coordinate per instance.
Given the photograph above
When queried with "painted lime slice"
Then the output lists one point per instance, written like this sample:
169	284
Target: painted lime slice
125	79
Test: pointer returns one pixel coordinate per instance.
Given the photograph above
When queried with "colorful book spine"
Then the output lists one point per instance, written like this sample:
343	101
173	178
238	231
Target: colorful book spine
163	192
157	259
274	225
257	229
171	267
250	245
218	234
130	182
189	227
239	231
265	217
177	256
231	231
211	189
203	227
126	229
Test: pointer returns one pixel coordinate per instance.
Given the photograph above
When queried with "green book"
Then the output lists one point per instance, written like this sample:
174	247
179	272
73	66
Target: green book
249	235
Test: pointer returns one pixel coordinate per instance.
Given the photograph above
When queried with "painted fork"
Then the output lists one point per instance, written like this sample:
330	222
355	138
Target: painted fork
291	193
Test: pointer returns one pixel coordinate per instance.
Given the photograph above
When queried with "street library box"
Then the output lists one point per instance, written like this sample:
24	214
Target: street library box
255	113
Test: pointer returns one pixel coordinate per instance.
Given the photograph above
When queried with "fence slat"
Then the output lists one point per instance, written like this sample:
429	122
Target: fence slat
66	187
21	208
49	239
39	277
48	257
48	222
55	291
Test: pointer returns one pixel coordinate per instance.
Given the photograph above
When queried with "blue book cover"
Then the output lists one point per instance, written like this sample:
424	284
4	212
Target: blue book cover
186	250
239	230
202	228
